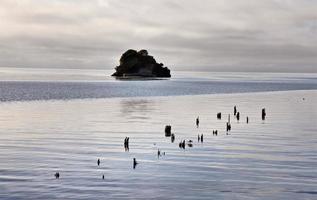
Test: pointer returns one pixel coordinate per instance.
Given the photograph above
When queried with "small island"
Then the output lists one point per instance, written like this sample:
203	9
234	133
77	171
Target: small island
140	64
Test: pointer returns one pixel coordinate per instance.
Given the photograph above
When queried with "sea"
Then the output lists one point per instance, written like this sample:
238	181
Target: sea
64	120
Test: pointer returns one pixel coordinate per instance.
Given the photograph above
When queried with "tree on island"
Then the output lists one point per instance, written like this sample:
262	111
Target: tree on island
141	64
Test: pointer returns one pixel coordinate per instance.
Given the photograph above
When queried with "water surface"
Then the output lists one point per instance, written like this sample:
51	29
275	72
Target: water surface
37	84
64	120
275	159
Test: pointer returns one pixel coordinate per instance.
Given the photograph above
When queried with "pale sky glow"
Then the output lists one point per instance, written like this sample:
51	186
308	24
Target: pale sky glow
214	35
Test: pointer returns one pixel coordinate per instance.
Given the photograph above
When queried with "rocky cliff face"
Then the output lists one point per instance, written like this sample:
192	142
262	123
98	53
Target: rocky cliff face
133	63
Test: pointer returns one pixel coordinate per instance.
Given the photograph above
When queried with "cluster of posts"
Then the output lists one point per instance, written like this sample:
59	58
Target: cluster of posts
182	144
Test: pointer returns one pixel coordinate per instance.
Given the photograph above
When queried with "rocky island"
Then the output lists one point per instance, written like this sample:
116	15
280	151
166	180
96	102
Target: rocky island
140	64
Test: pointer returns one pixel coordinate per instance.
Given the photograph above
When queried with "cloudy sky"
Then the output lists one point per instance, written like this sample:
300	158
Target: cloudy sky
214	35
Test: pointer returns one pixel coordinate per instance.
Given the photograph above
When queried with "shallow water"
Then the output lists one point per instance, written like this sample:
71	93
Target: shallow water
274	159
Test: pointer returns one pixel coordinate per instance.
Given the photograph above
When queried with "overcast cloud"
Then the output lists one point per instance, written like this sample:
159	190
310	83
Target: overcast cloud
215	35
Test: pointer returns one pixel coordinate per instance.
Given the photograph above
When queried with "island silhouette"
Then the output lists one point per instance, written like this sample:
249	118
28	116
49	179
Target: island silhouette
140	64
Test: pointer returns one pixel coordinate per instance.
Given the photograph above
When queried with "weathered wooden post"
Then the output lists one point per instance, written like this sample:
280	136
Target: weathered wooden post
234	110
168	130
219	115
263	114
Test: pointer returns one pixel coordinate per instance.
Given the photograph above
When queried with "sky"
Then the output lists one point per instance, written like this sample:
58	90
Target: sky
204	35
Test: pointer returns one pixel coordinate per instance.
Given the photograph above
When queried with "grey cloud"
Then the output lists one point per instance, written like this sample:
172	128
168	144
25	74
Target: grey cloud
224	35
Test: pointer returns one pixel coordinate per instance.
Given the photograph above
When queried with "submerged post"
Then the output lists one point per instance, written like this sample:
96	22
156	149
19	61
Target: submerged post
263	114
219	115
197	121
168	130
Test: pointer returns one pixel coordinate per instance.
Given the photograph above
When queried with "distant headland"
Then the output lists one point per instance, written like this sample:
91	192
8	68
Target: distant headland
140	64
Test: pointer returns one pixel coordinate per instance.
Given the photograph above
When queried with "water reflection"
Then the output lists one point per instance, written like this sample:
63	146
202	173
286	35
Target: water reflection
137	109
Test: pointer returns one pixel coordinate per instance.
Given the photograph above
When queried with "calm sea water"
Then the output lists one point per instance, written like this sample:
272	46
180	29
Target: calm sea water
75	123
37	84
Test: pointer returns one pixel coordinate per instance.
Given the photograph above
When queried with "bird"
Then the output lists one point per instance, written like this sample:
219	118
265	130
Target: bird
98	162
